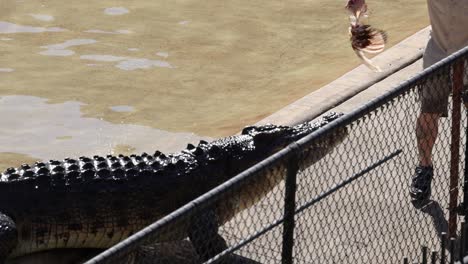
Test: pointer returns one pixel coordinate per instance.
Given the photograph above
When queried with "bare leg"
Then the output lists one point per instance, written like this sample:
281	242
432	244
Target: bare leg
426	134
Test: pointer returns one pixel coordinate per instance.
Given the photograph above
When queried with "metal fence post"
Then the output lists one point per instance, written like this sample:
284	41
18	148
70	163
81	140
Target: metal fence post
289	210
465	180
457	81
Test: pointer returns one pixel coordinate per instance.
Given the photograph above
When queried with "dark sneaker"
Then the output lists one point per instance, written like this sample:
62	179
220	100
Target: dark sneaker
420	188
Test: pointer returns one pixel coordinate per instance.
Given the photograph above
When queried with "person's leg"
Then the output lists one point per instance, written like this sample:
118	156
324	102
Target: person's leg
426	135
434	101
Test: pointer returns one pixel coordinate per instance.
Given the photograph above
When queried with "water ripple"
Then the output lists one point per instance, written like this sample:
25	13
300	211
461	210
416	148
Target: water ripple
102	57
33	127
99	31
162	54
115	11
10	28
42	17
122	108
60	49
127	63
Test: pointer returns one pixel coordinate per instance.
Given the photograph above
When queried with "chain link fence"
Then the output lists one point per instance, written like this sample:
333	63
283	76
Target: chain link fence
340	195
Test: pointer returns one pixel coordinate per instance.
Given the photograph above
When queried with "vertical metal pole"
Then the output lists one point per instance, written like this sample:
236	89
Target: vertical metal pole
462	241
443	240
405	260
433	257
457	82
465	181
289	209
424	255
452	250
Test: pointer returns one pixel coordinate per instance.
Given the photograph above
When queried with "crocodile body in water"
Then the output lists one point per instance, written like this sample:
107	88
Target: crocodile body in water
99	201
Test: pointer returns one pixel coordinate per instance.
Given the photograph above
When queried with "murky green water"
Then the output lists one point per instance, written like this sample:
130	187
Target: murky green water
80	77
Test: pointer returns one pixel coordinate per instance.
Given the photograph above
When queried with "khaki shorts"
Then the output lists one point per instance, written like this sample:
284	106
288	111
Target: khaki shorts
435	93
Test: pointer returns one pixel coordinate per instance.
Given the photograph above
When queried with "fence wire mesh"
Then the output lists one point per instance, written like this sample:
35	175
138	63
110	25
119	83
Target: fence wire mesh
349	201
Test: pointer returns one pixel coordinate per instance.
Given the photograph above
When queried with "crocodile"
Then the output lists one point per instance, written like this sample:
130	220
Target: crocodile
95	202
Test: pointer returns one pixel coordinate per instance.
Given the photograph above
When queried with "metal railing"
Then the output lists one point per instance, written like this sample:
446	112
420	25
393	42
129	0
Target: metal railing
349	206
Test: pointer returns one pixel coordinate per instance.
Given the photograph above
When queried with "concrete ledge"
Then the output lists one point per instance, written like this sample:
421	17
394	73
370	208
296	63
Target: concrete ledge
359	79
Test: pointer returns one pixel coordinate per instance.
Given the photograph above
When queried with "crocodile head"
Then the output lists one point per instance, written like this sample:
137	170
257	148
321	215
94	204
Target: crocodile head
272	138
264	141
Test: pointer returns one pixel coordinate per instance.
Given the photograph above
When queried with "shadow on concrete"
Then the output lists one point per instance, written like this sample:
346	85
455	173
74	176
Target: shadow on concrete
433	209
